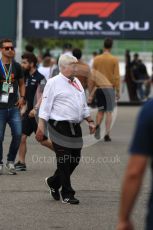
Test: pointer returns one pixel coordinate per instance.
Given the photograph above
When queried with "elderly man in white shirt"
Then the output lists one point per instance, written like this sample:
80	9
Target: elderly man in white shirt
64	107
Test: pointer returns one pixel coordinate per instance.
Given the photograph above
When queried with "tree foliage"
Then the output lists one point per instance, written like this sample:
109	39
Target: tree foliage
47	43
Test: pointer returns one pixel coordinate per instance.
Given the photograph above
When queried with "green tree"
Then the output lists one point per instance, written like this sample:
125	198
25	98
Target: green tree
47	43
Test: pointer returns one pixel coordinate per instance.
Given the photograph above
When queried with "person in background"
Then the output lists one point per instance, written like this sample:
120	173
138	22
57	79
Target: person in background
105	82
141	152
55	69
34	81
39	59
129	75
94	54
46	69
67	48
29	48
141	79
11	78
82	78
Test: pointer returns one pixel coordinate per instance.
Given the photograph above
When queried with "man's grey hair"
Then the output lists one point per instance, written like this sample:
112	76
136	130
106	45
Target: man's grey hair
66	59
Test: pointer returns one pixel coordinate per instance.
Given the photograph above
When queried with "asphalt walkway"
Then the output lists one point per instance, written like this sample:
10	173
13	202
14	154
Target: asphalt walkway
24	199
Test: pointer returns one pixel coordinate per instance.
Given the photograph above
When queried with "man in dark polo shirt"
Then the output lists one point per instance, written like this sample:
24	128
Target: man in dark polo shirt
141	151
35	83
11	77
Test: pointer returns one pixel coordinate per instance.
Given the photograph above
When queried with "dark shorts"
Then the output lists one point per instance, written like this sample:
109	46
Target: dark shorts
30	125
105	99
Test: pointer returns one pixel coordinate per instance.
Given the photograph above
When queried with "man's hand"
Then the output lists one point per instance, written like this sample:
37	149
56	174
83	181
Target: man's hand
125	226
40	130
117	96
39	135
32	113
92	127
20	103
90	99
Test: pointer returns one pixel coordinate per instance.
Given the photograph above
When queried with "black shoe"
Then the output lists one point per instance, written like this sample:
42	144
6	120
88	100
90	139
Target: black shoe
20	166
71	200
54	192
97	133
107	138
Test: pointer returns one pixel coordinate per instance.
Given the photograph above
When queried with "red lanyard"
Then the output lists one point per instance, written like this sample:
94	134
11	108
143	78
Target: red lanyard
75	84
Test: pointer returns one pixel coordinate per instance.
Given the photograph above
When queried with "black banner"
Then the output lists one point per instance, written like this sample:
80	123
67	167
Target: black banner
8	19
120	19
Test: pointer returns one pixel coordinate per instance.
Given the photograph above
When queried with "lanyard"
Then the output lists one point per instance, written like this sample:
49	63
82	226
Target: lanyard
7	73
75	84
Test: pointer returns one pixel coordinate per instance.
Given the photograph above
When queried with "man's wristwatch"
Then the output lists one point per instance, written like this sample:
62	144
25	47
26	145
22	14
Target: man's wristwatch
23	97
36	108
90	121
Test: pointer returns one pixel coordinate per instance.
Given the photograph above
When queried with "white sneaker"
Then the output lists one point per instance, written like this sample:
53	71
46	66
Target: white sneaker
10	168
1	169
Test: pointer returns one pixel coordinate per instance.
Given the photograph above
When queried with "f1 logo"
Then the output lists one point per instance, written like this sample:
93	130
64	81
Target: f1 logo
101	9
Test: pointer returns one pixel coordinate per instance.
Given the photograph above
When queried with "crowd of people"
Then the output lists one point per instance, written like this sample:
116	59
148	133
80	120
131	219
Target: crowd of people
63	103
57	94
137	78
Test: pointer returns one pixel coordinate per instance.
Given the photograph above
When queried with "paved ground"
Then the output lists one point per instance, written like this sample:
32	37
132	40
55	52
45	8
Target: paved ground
25	202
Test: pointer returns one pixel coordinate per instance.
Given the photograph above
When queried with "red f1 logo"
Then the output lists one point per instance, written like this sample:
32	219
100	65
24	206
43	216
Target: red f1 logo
102	9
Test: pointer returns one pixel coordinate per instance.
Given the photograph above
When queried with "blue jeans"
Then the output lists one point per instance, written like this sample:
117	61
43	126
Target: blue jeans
13	118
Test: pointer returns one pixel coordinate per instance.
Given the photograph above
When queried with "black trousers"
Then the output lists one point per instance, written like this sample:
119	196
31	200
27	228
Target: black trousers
67	143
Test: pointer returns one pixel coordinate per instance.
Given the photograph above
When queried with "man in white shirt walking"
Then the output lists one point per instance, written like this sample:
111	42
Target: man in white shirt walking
64	107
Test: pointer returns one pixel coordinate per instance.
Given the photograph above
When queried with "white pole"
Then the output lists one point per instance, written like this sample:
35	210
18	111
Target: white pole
19	29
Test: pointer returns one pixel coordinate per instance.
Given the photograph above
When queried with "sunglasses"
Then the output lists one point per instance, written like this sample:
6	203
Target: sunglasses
8	48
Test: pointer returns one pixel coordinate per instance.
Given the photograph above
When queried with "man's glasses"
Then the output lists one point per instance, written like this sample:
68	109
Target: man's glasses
8	48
